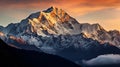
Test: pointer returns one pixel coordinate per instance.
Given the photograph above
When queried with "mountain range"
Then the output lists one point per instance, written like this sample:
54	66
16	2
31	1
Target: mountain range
54	31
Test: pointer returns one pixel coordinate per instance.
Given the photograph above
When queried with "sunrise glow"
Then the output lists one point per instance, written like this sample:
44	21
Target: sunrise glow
104	12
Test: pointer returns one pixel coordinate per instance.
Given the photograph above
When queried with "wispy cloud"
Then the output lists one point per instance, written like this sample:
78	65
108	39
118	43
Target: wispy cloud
103	60
81	9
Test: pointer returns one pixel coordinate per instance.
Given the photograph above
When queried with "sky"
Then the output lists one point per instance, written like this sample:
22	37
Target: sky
104	12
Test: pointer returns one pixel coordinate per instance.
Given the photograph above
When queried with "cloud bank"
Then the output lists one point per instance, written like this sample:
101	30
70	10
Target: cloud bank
104	60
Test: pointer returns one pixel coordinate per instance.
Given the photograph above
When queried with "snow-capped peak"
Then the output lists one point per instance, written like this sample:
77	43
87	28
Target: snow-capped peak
54	31
55	21
52	11
51	21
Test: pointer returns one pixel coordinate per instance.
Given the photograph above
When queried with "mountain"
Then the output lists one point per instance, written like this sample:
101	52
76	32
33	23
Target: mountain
54	31
12	57
55	21
50	21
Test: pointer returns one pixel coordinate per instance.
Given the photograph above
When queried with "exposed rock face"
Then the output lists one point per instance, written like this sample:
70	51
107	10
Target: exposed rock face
55	21
53	31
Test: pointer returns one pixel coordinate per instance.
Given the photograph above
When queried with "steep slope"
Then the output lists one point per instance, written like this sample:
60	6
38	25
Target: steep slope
55	21
96	32
12	57
51	21
72	47
115	37
53	31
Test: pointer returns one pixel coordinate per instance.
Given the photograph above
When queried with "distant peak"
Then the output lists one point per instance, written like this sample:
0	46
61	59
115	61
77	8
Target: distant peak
98	26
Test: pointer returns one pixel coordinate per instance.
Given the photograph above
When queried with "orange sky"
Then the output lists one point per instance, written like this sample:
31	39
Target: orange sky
104	12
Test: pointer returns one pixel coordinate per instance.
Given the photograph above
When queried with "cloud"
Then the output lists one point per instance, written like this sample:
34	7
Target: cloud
77	2
106	13
112	24
9	2
103	60
64	3
102	3
77	6
106	17
83	10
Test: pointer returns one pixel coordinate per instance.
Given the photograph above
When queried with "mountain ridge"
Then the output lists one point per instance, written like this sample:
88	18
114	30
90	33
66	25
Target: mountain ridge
12	57
53	31
55	21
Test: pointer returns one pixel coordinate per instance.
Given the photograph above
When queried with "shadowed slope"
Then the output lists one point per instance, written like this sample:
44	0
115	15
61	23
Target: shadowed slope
21	58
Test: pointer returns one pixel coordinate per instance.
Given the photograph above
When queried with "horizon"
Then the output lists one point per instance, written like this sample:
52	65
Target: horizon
106	13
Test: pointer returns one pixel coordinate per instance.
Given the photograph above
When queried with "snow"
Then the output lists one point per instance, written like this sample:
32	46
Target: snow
54	31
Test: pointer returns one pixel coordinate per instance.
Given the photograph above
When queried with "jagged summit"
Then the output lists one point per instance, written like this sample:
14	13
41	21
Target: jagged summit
52	11
56	32
51	21
37	14
55	21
